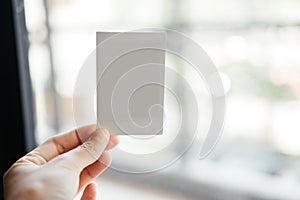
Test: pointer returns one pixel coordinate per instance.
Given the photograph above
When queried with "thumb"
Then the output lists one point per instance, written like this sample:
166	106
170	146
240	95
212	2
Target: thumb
89	151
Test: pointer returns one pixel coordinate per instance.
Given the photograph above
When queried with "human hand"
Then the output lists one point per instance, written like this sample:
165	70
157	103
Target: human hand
61	167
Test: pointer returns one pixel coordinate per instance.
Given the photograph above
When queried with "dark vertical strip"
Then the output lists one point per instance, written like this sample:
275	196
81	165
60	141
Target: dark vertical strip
16	121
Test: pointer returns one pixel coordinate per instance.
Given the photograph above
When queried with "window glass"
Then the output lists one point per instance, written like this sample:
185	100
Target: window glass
255	44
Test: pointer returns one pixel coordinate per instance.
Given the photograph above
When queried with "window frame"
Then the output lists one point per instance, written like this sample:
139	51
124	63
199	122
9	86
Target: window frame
17	124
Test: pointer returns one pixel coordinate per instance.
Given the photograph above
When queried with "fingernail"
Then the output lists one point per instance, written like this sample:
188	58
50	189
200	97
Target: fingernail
103	132
97	142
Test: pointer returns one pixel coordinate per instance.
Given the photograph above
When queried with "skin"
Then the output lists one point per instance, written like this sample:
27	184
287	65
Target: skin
61	167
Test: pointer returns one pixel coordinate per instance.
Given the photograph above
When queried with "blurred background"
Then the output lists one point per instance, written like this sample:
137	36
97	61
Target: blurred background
256	45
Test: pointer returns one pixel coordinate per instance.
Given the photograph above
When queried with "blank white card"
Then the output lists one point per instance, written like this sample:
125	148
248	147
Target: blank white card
130	82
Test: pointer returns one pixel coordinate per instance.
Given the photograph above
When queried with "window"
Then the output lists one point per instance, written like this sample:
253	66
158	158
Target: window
254	43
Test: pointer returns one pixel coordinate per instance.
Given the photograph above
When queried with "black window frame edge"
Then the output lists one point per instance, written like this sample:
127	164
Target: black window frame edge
17	121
